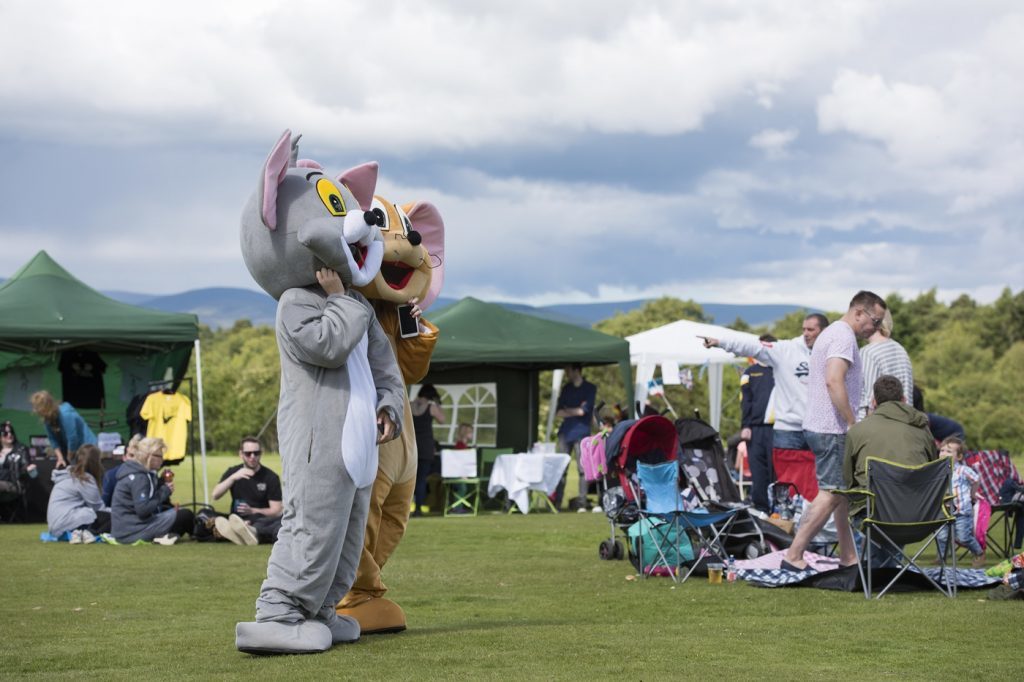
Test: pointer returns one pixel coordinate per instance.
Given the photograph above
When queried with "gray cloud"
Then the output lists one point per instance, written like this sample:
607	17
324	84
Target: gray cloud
777	152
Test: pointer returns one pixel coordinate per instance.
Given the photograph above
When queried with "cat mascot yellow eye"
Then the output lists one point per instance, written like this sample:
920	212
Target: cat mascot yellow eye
331	196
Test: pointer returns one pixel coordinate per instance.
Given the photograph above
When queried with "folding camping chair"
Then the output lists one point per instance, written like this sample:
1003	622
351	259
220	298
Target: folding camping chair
679	528
461	484
464	473
710	529
658	538
995	468
905	505
795	470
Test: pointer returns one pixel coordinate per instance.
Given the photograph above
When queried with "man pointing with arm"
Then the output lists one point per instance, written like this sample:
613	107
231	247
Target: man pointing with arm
789	360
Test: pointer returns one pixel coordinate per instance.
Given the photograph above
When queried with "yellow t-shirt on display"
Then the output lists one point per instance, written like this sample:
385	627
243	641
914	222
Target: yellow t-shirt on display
168	416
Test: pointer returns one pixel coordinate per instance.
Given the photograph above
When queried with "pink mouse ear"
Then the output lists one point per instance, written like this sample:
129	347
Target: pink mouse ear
274	171
361	181
426	220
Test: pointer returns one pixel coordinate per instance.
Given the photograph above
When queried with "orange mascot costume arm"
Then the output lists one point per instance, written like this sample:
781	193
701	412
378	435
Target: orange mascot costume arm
411	274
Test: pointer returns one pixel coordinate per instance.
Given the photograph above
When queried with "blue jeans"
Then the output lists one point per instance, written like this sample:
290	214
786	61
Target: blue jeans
829	450
964	535
789	440
572	448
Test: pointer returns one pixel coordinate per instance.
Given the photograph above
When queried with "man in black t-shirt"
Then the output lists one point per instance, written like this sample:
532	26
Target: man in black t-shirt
255	498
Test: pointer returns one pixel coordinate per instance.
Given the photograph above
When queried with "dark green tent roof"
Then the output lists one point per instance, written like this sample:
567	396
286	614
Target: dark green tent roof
472	332
43	307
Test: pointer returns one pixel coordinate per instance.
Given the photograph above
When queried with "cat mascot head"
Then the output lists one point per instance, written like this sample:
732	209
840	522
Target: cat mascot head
300	220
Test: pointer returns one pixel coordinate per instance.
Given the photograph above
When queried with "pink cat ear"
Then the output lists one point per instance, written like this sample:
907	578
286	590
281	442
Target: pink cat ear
426	220
361	181
274	171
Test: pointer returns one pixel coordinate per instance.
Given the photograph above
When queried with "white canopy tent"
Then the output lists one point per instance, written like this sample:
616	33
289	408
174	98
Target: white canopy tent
676	344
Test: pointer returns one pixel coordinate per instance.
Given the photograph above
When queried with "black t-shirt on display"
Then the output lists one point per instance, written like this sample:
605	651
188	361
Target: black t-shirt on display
82	378
256	491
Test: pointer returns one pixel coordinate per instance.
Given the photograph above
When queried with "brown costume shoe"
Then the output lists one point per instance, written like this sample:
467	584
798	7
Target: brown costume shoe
376	616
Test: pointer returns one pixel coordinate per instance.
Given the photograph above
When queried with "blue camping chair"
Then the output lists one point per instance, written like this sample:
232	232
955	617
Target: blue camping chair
658	538
707	528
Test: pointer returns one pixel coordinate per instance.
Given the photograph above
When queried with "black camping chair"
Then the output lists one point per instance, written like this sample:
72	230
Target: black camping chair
906	505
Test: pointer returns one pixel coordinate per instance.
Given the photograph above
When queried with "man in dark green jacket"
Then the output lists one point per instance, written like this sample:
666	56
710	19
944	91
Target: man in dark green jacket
894	431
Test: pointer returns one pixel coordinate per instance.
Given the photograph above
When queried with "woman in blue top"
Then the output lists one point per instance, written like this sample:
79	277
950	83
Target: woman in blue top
65	428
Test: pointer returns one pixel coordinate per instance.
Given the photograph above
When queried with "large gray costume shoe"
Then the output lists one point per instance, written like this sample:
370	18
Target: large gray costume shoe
307	637
344	630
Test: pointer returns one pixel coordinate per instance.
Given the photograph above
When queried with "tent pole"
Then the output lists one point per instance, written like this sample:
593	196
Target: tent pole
202	423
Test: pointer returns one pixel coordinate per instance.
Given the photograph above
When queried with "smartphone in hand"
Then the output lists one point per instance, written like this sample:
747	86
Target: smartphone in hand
407	324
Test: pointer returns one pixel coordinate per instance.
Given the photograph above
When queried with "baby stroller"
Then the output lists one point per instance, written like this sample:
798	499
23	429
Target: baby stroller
703	467
649	439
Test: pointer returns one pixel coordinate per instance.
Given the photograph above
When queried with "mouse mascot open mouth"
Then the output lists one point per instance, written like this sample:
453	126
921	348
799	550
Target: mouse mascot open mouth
411	274
308	240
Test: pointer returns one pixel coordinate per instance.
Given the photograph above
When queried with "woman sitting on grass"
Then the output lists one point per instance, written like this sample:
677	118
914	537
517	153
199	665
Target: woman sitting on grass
75	503
140	503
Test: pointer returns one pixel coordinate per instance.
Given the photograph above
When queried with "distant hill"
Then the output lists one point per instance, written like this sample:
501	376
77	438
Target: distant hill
219	307
721	313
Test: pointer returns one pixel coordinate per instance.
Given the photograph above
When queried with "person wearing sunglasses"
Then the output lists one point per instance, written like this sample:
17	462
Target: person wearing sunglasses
834	387
256	505
881	356
15	468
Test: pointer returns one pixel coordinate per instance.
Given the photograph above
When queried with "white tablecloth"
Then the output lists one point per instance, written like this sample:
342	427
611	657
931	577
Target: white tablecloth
519	474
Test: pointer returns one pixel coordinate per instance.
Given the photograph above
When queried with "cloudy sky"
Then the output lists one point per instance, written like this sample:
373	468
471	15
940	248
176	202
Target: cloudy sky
729	151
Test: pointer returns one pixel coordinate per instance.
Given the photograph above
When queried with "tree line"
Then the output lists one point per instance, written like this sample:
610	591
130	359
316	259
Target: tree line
968	360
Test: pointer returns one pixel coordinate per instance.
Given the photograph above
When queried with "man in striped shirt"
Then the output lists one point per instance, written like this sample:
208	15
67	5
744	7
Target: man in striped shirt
882	355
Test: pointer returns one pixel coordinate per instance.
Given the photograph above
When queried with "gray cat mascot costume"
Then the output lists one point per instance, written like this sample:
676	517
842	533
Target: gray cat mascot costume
341	391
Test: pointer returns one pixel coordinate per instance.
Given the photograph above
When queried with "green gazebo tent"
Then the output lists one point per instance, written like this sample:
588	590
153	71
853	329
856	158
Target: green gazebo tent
45	311
484	342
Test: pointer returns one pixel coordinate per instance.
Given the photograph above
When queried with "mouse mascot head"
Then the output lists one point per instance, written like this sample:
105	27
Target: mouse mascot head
300	220
413	263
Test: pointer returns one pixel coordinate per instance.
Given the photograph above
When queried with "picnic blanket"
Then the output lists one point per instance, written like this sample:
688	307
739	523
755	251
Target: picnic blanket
828	575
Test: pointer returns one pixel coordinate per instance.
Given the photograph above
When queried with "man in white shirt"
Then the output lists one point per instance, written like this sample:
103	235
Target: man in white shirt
789	362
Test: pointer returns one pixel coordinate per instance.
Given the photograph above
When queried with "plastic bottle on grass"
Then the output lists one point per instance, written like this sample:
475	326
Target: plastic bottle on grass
730	569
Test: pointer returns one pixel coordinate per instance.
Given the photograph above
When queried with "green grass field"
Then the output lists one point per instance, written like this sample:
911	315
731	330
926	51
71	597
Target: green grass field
492	597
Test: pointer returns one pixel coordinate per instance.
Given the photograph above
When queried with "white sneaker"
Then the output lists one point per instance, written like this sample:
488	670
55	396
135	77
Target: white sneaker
87	537
597	509
76	537
168	539
242	530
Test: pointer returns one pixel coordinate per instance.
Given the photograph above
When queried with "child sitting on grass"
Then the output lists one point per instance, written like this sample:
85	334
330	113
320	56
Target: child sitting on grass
965	489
